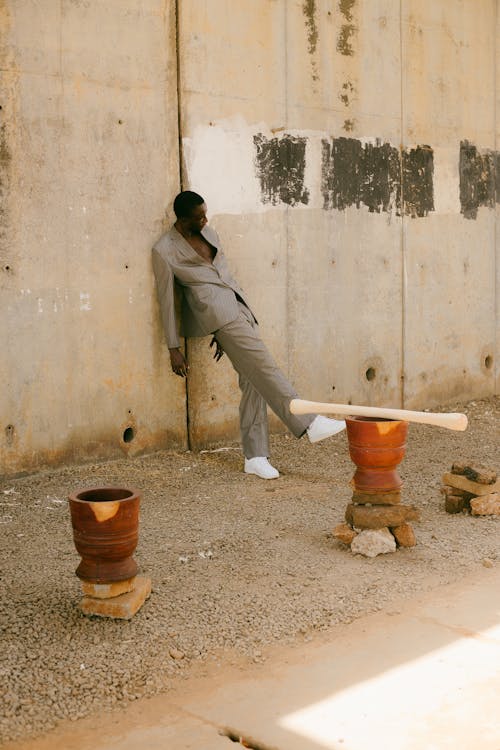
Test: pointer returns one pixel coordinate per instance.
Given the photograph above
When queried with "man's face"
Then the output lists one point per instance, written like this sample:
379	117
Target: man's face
198	218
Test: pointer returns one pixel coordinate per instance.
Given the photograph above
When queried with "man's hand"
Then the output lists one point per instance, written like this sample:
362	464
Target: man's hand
178	362
219	351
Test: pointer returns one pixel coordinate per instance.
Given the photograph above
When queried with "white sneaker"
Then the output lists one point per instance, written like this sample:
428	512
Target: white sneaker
324	427
261	466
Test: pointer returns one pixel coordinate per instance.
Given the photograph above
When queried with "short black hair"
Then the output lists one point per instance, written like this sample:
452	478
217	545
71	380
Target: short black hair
185	202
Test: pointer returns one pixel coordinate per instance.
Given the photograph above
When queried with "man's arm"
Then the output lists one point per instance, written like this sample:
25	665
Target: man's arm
166	296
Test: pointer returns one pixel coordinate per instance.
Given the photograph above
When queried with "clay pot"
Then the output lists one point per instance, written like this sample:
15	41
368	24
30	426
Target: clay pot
376	446
105	531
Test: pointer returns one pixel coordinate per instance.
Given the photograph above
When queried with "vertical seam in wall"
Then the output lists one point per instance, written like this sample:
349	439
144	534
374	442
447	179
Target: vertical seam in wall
181	185
287	230
179	94
496	303
402	380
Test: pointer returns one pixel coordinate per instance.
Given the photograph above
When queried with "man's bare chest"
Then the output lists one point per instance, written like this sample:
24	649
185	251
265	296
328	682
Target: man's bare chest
204	249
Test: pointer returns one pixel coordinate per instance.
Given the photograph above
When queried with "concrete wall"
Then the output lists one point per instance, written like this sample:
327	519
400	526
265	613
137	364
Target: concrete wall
89	162
326	137
347	150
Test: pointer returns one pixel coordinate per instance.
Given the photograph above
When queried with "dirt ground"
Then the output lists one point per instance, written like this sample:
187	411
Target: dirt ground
238	564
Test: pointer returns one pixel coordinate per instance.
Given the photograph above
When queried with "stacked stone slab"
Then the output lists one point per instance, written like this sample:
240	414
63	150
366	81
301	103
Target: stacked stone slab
471	488
119	600
377	523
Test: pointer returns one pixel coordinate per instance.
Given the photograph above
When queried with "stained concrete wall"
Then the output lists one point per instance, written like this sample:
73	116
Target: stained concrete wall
347	154
347	150
89	163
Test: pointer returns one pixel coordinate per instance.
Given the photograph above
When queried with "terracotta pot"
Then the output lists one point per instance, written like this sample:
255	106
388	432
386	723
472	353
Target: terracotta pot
105	531
376	446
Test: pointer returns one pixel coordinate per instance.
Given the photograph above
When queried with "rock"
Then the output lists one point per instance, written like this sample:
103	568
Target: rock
487	562
476	488
404	534
373	542
176	654
376	498
344	533
379	516
447	490
121	607
487	505
475	472
454	504
107	590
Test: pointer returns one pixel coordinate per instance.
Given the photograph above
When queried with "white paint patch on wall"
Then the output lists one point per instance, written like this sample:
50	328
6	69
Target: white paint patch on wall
312	172
446	181
220	166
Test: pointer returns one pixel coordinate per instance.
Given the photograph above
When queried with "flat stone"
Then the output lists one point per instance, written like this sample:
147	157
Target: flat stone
454	504
176	654
380	516
108	590
475	472
121	607
373	542
345	533
476	488
376	498
487	505
404	535
447	490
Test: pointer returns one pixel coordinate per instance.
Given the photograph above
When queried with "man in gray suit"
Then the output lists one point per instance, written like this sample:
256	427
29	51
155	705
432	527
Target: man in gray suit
189	259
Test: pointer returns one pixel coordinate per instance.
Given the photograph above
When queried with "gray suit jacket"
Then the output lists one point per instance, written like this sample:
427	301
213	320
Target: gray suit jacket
208	291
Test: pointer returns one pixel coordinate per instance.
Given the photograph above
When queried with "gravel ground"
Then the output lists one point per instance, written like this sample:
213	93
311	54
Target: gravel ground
237	565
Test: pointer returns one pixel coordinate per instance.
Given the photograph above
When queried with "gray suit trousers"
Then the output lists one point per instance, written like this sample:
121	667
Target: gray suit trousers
261	382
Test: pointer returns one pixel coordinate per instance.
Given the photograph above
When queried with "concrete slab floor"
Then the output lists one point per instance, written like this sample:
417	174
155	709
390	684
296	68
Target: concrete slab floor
423	677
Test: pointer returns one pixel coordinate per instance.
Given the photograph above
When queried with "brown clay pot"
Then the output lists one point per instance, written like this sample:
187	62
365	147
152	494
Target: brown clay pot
376	446
105	531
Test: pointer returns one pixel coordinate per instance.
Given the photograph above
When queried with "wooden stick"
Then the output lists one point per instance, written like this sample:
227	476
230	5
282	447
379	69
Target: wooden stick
452	421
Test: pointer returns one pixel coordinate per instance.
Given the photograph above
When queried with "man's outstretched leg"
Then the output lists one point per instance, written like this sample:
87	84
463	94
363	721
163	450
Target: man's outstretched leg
251	359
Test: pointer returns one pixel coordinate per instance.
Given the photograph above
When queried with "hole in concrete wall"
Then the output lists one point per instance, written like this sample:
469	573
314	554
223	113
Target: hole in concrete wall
333	387
7	268
129	411
126	265
128	435
245	741
370	373
10	431
488	361
120	122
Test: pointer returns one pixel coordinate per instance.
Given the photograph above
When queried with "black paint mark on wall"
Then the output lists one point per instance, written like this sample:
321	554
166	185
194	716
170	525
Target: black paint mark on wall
347	30
280	164
347	90
309	11
479	179
346	7
355	174
377	176
417	167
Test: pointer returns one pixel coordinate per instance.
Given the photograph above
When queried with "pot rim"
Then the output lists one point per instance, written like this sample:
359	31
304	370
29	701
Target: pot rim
73	497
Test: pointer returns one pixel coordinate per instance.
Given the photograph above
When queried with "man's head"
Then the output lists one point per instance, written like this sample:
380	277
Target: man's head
190	210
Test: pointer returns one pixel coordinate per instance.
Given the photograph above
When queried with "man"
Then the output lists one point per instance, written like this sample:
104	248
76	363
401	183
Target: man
189	257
